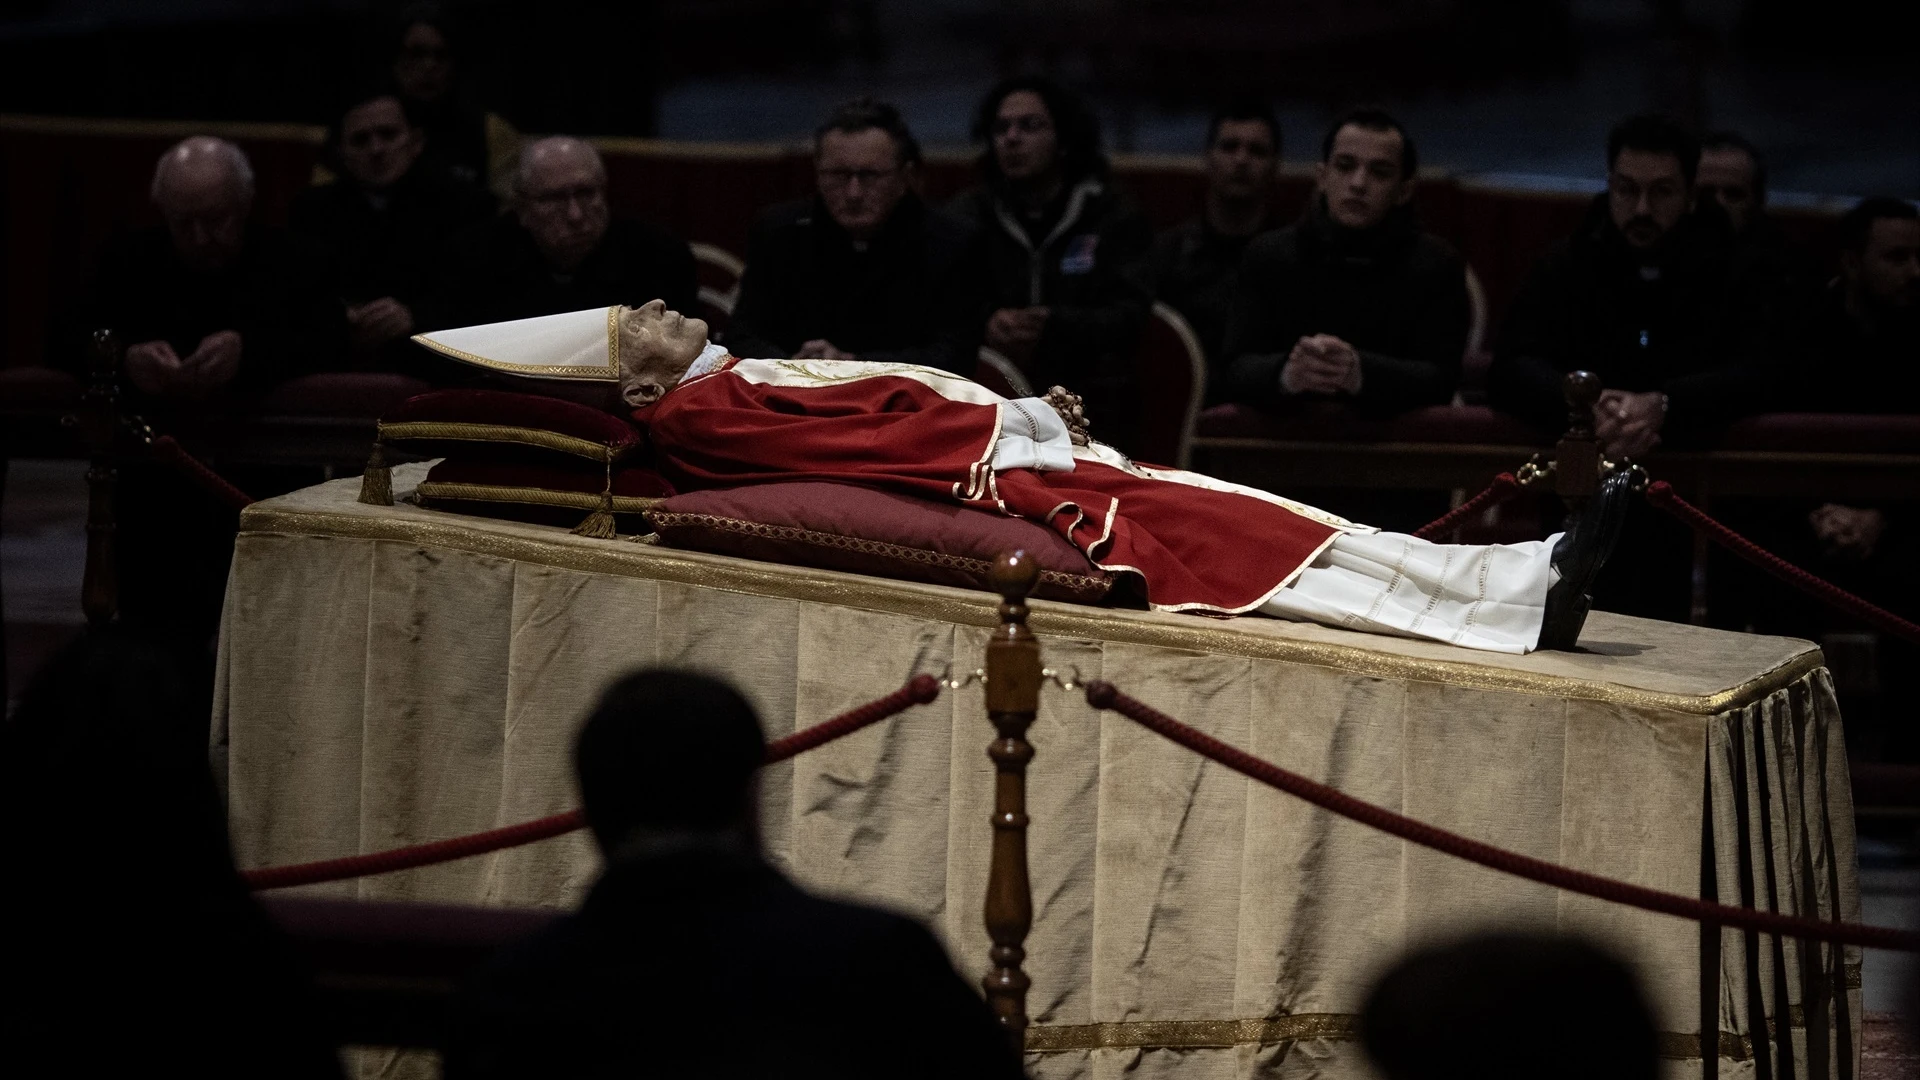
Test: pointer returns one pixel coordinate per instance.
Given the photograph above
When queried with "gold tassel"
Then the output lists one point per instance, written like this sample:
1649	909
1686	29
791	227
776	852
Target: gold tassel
600	524
376	483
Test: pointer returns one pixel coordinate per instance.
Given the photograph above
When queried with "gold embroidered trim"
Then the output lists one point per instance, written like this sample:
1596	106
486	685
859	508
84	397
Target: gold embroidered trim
1225	1034
969	608
1076	582
571	500
500	433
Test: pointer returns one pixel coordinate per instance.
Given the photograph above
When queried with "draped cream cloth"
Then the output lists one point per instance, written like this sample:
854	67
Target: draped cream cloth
391	675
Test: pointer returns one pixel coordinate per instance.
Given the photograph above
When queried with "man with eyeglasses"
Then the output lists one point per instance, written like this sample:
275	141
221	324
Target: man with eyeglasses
1353	303
560	249
1196	263
1066	256
383	218
1650	296
864	269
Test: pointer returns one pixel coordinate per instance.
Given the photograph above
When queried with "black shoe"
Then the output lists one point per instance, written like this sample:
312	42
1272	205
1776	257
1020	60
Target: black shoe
1583	549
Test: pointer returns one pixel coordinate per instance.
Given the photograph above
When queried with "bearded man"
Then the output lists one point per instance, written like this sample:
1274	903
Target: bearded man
1197	544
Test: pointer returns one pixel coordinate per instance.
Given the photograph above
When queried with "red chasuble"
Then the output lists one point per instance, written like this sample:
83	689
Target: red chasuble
1197	543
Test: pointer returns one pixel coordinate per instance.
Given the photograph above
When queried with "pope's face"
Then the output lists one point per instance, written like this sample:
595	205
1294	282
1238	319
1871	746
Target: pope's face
656	348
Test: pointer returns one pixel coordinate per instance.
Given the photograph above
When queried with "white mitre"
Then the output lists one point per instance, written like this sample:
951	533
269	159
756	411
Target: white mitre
579	345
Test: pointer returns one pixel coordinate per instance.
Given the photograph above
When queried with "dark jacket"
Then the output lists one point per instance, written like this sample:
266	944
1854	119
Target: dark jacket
1195	272
1085	258
275	296
913	296
1396	294
392	243
1694	323
710	963
494	273
1854	361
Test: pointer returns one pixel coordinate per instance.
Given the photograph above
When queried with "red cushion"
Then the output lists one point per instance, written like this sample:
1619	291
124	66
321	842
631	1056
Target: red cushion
1323	421
32	388
1826	433
458	423
544	493
843	527
370	394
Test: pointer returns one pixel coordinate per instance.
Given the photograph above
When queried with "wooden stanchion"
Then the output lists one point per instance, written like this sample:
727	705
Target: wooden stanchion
99	423
1013	697
1576	457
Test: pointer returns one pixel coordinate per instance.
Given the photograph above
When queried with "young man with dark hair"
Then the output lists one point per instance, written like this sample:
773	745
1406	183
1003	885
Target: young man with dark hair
1353	302
1066	257
384	220
1195	263
864	269
694	957
1651	297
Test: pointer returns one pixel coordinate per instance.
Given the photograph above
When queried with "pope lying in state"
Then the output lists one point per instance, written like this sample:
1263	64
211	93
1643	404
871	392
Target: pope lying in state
1198	544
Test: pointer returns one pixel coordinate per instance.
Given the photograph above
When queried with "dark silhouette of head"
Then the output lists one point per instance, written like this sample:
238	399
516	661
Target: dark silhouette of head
669	751
1506	1006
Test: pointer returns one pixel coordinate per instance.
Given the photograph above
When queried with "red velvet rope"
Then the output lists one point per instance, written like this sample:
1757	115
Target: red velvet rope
1504	487
1661	494
167	449
1103	695
918	691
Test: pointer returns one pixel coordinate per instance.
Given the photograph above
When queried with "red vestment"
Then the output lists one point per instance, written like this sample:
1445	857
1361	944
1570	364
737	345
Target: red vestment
1197	544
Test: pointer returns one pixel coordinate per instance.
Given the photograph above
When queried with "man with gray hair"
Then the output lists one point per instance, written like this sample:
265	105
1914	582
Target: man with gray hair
213	309
561	249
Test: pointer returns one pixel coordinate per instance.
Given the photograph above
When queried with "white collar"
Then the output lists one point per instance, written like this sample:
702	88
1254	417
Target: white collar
708	361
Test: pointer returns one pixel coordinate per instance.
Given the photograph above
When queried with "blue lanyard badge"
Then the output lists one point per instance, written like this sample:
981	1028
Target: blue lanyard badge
1079	255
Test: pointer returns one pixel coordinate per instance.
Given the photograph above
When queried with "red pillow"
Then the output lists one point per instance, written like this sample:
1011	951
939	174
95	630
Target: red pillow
541	493
844	527
508	426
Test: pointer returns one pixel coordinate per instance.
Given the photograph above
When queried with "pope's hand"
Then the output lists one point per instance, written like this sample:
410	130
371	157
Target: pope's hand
1072	412
822	349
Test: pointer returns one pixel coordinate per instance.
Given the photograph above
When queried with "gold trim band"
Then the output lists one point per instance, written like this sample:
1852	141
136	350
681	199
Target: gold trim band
452	431
969	608
1334	1027
570	500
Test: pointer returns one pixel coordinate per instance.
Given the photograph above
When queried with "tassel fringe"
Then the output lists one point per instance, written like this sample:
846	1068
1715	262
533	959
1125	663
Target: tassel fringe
599	525
376	483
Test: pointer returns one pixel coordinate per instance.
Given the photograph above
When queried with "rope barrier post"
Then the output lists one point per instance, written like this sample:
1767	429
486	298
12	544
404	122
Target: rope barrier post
99	423
1013	698
1576	457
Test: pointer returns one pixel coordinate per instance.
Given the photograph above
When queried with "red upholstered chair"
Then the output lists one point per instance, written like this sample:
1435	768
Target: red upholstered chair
719	272
1173	382
1825	433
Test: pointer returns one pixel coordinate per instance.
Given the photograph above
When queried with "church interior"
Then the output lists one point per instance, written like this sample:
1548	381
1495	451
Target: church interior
805	538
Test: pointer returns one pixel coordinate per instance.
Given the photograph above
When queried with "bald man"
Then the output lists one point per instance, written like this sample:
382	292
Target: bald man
560	249
210	304
213	309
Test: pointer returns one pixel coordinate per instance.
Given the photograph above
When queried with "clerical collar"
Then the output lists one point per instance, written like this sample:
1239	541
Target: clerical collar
707	362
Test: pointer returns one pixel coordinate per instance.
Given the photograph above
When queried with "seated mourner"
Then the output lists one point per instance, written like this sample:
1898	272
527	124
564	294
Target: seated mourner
864	269
561	249
1067	272
213	309
692	956
1353	301
1196	263
384	221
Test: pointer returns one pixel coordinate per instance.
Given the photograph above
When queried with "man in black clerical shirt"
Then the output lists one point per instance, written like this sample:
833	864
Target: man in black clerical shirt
1196	263
560	249
1649	295
213	310
864	270
1066	256
692	956
1353	302
384	221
